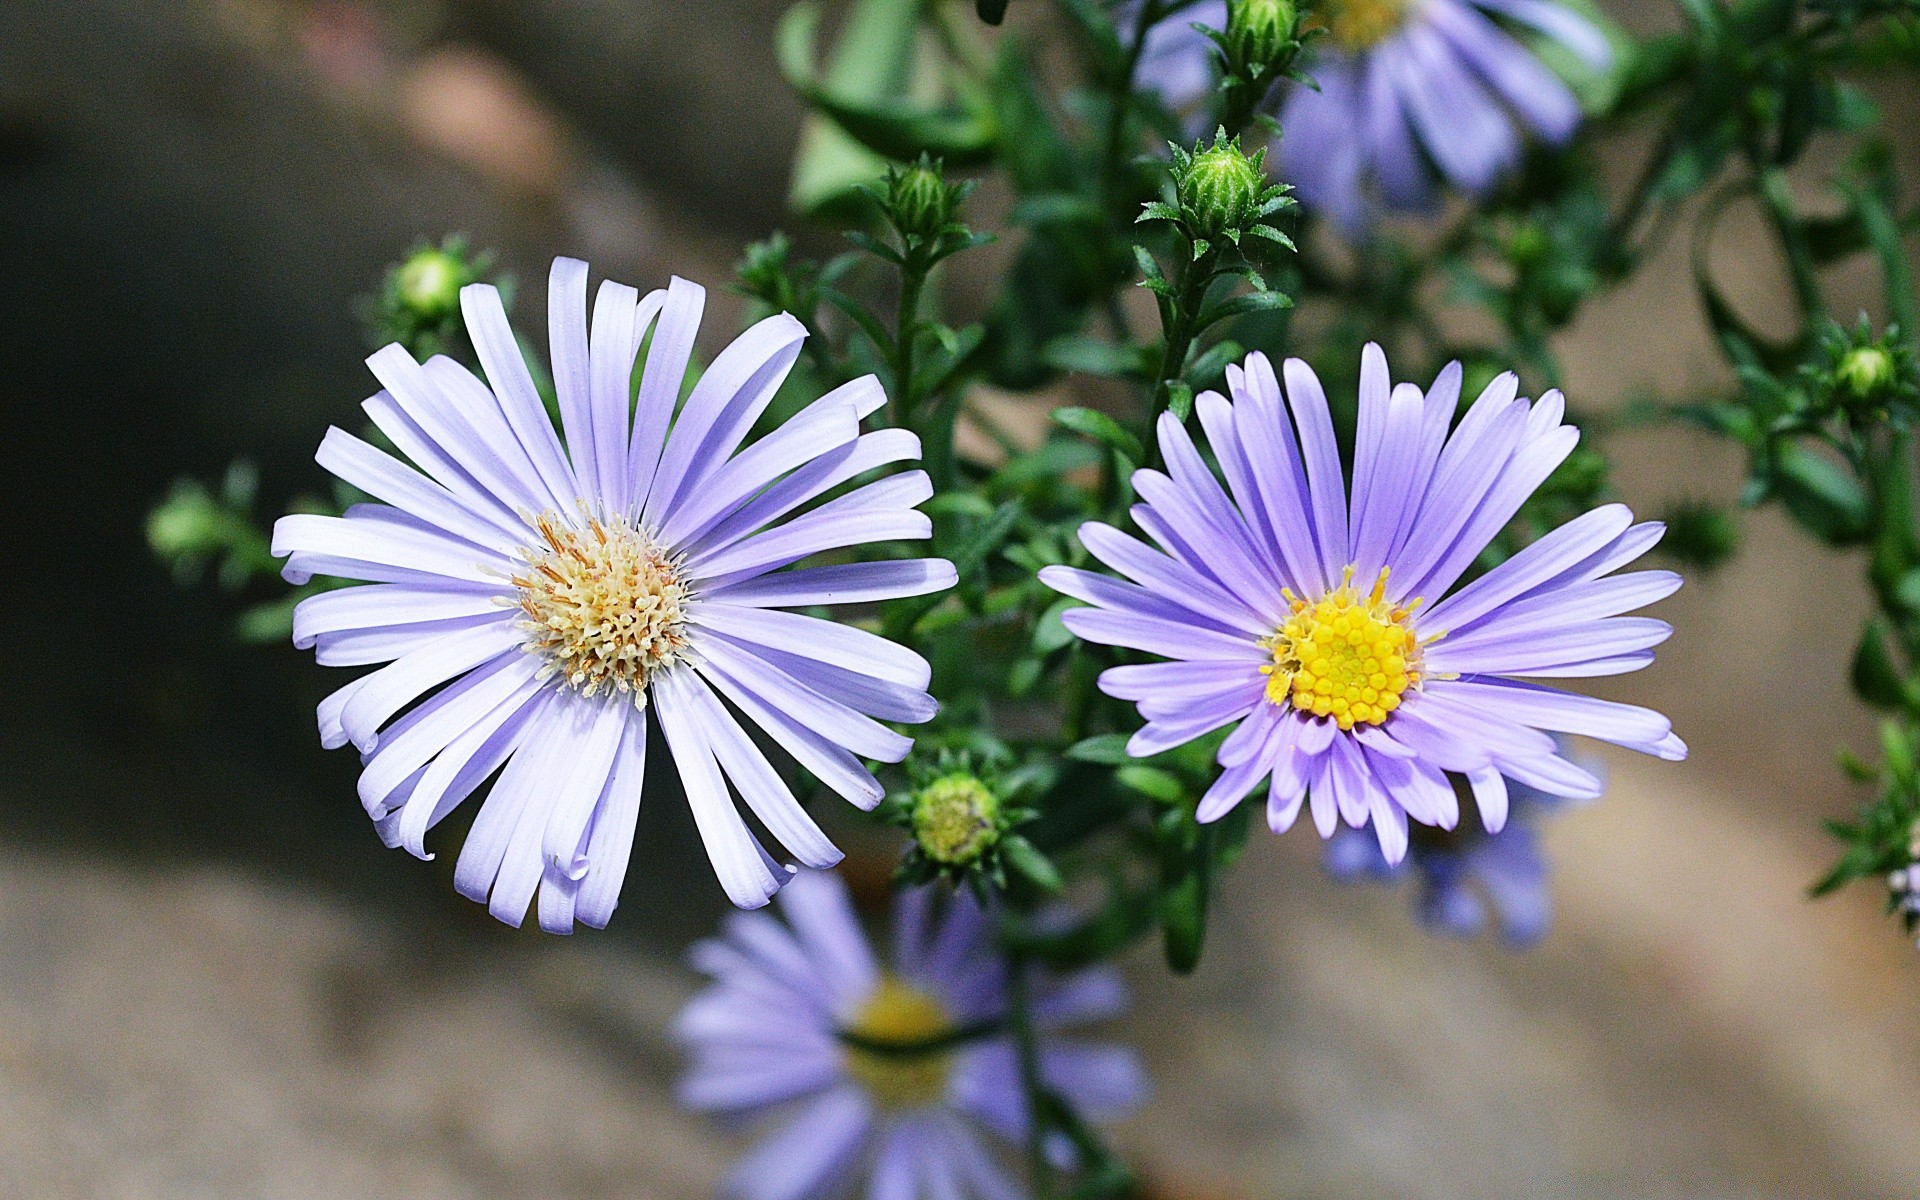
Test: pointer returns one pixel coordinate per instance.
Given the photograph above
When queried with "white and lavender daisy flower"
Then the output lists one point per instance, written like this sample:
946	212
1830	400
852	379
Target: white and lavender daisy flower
884	1072
1467	871
1404	87
556	593
1304	613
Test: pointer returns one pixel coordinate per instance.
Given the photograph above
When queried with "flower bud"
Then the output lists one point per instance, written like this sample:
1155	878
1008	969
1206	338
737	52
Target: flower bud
428	284
1865	370
1258	30
922	202
956	819
1220	188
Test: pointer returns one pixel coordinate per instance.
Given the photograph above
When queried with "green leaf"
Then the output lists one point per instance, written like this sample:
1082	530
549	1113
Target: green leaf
1101	428
1107	749
1091	356
1875	679
1152	782
1820	495
1024	858
1049	632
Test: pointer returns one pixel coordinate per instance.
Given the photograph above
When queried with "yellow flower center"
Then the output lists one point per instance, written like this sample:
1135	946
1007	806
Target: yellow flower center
894	1020
1356	25
1347	655
604	606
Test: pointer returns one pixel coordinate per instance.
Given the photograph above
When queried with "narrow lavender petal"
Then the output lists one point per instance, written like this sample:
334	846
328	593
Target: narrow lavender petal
736	857
1560	23
1117	595
1562	712
1443	400
1553	775
468	761
829	762
1137	681
859	692
382	644
1157	737
768	795
842	583
1354	787
570	721
620	319
1322	795
1521	477
1380	511
1216	418
984	1177
414	740
1490	797
309	539
1248	740
1169	577
1319	153
1533	566
1200	491
1322	456
1591	668
1375	396
730	395
660	382
526	773
1287	785
878	512
512	385
1197	698
870	452
383	477
568	346
1543	102
1159	637
563	840
1086	996
464	423
820	912
1105	1083
1437	743
894	1163
1476	723
1261	420
1228	556
394	686
1579	604
1398	166
810	637
381	606
810	1156
1458	123
610	844
1523	654
1231	786
1625	548
443	468
821	427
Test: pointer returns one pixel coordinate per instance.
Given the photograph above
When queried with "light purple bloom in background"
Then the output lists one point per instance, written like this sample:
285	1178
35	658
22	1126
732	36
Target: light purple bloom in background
1405	87
555	594
1306	614
1465	872
771	1037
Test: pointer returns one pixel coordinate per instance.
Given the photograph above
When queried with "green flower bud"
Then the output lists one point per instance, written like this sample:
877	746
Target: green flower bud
428	284
1258	30
1865	370
956	819
922	202
188	522
1220	188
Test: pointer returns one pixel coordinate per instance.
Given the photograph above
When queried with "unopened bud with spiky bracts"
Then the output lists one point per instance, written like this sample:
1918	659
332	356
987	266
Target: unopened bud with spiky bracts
962	813
1260	34
1857	367
418	304
923	210
1221	193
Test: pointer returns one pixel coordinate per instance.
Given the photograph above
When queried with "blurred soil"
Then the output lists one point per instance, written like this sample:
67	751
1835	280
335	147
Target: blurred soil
214	982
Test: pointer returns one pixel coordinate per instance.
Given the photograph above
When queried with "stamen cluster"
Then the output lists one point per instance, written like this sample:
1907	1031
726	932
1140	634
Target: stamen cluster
604	605
1346	656
1357	25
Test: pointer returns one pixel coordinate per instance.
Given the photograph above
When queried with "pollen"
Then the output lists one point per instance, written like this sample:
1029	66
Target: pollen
894	1062
1350	656
1357	25
603	605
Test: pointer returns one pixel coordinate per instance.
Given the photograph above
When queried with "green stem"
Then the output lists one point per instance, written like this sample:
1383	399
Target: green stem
913	280
1120	105
1027	1053
1793	242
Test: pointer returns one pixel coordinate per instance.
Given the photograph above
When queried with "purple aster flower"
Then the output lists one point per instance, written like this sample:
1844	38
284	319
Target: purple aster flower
1464	872
555	594
1404	87
803	1021
1307	617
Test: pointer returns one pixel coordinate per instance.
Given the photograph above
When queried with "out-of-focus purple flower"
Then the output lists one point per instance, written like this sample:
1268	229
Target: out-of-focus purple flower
1466	871
1406	88
804	1021
1327	624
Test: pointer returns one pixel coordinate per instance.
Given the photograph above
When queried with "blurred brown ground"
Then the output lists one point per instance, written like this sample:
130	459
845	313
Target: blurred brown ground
214	983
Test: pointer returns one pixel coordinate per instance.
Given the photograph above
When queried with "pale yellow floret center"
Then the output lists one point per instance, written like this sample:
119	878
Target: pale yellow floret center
603	605
1357	25
900	1017
1349	655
